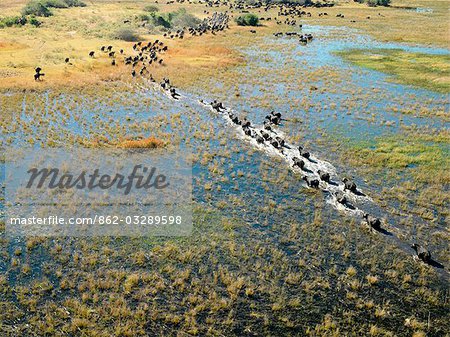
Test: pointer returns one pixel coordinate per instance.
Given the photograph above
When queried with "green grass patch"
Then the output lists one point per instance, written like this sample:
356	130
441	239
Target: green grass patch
426	155
423	70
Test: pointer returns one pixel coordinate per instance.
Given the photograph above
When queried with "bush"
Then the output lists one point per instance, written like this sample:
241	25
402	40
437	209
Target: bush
62	3
161	20
75	3
54	3
247	20
10	21
151	8
34	22
183	19
36	8
19	21
144	17
126	34
41	7
179	18
374	3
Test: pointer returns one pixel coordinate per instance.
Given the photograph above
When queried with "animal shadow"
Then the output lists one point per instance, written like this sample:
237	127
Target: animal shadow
349	206
435	264
383	231
359	193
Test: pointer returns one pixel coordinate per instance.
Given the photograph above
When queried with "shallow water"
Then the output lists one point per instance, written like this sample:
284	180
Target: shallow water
337	114
356	86
353	109
253	184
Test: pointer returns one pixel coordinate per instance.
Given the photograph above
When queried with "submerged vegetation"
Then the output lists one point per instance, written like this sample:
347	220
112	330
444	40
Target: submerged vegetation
267	256
423	70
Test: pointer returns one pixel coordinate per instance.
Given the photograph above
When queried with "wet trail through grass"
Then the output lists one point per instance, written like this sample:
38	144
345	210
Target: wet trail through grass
356	205
320	94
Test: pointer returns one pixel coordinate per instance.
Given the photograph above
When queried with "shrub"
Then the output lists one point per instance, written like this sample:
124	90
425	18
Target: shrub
183	19
247	20
13	21
161	20
54	3
151	8
179	18
127	34
41	7
62	3
36	8
34	22
10	21
19	21
374	3
75	3
144	17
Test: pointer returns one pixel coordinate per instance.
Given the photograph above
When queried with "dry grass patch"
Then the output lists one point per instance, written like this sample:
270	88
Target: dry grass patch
146	143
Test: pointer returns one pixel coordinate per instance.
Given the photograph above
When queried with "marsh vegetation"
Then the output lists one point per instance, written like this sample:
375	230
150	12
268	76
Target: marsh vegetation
267	256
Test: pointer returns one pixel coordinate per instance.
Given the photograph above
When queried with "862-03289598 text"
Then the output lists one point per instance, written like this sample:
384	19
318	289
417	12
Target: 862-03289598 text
100	220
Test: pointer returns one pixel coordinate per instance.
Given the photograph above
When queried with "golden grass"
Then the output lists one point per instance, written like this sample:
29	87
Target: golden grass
75	32
146	143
